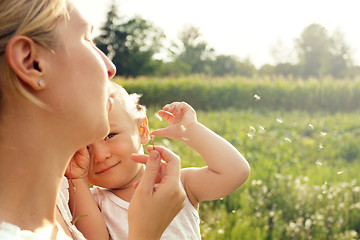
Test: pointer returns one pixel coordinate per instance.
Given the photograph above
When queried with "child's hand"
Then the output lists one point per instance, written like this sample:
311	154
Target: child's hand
78	167
181	116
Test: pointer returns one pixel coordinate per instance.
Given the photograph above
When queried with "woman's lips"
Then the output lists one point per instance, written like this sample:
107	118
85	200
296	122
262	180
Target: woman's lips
107	169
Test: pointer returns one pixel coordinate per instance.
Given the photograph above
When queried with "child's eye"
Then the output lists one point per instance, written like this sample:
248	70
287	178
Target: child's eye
110	135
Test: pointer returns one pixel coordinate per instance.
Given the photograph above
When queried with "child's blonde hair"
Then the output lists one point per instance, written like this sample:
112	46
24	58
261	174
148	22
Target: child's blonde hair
35	19
130	102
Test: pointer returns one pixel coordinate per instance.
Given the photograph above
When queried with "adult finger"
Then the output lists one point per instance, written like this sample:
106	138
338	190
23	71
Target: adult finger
148	179
172	160
140	158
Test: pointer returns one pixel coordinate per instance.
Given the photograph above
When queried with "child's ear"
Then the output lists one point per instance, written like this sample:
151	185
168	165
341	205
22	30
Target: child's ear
144	132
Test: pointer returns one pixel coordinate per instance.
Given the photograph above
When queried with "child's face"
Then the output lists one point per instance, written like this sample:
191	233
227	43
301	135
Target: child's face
110	163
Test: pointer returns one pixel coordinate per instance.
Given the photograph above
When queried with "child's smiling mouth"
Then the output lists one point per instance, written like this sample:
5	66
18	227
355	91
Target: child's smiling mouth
107	169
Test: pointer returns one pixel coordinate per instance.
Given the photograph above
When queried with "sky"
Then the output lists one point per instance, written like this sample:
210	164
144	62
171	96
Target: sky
247	29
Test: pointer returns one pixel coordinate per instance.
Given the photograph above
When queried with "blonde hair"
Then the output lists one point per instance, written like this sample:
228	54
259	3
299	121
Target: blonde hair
130	102
35	19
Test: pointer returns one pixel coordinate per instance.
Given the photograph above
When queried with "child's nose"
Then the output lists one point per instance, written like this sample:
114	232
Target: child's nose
101	154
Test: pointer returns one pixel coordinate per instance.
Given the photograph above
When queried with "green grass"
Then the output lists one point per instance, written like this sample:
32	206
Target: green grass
241	93
304	181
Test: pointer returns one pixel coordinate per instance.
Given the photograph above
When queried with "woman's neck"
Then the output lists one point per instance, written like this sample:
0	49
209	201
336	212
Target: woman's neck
28	193
31	168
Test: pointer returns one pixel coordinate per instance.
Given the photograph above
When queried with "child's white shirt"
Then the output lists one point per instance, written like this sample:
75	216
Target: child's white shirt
186	225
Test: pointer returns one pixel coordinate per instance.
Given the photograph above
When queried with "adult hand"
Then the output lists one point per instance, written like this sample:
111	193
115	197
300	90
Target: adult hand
152	209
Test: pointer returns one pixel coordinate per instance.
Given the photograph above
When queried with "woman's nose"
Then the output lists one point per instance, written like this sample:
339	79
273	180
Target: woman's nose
111	68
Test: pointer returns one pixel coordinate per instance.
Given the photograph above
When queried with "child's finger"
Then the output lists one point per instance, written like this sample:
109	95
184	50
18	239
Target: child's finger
163	132
165	114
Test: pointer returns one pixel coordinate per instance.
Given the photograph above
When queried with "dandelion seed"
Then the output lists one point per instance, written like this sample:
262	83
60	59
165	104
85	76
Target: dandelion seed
183	128
221	231
311	126
321	146
323	134
221	199
257	97
261	128
250	135
340	172
355	206
233	211
308	223
185	139
252	128
287	139
158	117
356	189
318	163
279	120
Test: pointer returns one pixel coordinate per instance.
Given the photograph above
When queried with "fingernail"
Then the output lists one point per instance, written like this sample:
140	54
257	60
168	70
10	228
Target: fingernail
154	155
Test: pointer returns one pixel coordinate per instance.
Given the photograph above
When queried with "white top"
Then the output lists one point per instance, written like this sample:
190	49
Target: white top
63	206
115	212
11	232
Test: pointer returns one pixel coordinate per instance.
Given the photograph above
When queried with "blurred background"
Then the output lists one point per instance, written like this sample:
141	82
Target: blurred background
259	33
278	79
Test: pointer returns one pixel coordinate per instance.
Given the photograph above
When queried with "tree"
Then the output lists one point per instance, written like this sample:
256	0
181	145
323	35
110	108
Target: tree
246	68
281	53
266	70
340	62
313	50
131	45
192	51
286	70
225	65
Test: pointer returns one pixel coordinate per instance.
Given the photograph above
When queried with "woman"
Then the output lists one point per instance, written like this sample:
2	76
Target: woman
54	100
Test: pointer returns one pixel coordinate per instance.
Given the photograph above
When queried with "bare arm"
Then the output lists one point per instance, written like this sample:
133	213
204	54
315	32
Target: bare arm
82	204
226	168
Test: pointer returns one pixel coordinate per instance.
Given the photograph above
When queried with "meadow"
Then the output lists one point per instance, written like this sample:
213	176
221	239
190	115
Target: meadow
304	180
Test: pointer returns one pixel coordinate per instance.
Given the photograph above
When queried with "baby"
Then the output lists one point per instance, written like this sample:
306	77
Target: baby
111	167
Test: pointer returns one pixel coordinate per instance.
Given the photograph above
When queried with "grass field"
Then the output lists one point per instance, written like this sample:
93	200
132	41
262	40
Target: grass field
304	181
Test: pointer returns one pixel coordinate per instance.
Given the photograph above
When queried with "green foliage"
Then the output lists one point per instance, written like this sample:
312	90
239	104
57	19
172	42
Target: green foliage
193	52
304	175
242	93
131	44
320	54
313	47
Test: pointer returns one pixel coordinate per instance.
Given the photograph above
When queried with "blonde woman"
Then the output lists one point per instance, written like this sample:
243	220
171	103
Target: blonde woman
54	100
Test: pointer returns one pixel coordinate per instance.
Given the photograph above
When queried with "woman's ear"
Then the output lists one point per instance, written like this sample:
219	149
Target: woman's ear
22	54
144	132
